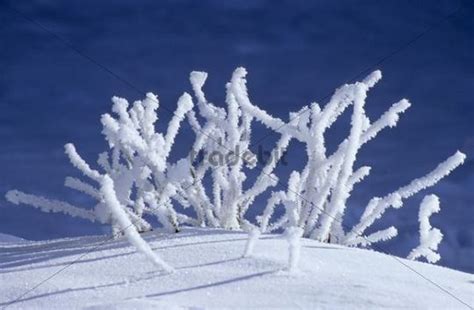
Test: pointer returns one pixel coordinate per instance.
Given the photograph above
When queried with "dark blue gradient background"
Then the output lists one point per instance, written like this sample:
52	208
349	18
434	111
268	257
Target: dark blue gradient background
295	52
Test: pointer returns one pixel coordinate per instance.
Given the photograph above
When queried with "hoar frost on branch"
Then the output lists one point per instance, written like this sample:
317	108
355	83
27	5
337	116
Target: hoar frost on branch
429	237
319	193
226	131
137	163
137	177
317	196
117	212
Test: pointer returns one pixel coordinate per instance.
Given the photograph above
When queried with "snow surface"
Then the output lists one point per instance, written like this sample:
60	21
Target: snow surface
210	273
4	238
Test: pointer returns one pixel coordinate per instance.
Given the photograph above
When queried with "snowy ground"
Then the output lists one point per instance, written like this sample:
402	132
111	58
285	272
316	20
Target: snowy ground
96	273
4	238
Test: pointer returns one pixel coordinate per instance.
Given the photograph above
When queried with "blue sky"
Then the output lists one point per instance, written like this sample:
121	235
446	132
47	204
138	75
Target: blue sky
61	62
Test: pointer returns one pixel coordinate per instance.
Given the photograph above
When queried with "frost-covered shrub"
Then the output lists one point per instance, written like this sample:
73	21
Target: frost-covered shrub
138	160
108	210
317	196
137	177
226	132
137	163
122	220
117	213
429	237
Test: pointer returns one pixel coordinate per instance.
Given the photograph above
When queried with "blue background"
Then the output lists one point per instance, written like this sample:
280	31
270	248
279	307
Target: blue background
61	62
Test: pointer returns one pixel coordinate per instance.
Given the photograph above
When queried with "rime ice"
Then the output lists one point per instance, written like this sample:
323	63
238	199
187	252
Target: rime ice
136	176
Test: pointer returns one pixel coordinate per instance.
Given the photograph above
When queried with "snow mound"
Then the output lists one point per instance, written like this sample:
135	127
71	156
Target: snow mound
4	238
99	273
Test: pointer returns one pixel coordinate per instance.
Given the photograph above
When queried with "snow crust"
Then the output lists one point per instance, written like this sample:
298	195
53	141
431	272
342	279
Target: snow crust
211	274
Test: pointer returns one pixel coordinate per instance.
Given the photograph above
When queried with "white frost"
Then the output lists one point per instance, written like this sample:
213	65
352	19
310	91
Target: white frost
126	226
217	190
429	237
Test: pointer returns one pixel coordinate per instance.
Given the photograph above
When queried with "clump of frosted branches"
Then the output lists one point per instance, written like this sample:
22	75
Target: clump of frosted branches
288	199
224	141
317	196
120	219
139	158
377	206
117	214
144	181
315	201
429	237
